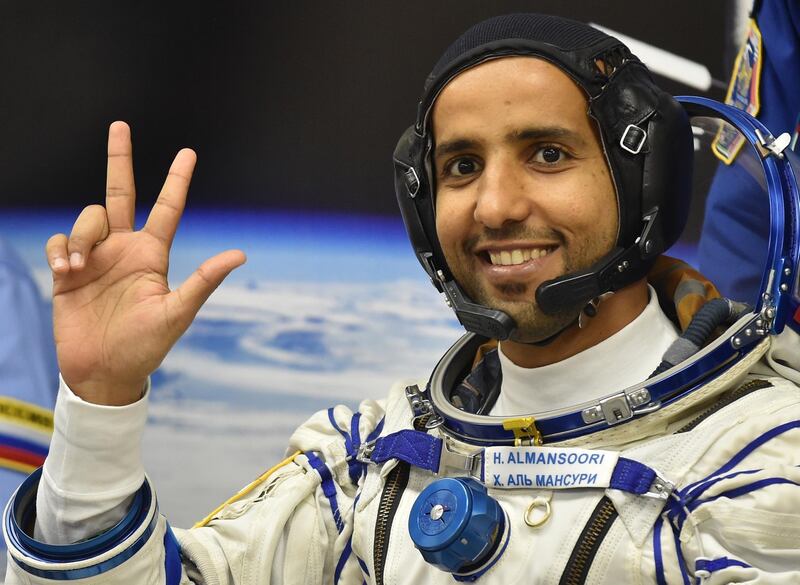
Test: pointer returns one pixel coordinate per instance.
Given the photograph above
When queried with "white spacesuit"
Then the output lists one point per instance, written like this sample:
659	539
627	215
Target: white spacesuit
308	521
676	464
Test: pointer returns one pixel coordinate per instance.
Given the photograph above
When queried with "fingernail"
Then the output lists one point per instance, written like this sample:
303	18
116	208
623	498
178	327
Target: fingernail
75	259
59	263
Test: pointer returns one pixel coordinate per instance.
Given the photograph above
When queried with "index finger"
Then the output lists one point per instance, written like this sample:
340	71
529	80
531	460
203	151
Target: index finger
120	188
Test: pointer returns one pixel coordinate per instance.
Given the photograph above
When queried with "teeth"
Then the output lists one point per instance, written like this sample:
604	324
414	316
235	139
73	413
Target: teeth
518	256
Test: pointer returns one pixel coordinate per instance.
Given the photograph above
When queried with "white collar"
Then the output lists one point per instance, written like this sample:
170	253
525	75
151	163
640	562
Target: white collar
624	359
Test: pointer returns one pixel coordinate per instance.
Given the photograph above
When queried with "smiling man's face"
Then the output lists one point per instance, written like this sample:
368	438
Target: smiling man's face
523	191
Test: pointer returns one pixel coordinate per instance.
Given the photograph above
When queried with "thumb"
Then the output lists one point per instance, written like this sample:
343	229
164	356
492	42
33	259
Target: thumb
184	302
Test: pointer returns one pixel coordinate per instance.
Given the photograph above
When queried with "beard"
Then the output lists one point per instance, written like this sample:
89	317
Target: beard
532	324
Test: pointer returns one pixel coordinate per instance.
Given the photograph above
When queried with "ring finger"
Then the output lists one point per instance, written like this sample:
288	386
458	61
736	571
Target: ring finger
90	228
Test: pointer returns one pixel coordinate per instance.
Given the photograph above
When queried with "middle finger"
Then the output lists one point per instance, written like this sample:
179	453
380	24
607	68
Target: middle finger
120	187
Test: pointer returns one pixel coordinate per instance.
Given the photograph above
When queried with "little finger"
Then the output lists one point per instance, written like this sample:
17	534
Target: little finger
90	228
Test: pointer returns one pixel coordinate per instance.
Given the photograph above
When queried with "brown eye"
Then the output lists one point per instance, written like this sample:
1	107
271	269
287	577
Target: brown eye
551	154
462	167
465	166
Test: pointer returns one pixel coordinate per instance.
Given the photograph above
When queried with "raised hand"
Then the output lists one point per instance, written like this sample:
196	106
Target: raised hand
114	316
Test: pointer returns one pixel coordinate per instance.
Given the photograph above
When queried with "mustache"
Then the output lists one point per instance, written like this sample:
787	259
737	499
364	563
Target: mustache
513	232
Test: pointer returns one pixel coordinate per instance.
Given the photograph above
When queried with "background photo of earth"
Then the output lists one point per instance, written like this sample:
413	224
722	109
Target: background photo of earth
329	309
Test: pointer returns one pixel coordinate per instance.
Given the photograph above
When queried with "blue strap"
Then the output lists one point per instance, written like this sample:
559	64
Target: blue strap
657	554
355	434
632	476
354	467
172	558
712	565
376	432
363	565
352	442
337	573
328	487
347	442
681	561
700	488
744	489
414	447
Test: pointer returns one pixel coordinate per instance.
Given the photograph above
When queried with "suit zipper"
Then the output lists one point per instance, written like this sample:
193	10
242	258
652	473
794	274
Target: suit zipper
580	561
396	482
740	392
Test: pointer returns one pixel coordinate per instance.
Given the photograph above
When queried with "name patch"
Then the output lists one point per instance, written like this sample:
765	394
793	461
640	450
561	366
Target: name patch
547	467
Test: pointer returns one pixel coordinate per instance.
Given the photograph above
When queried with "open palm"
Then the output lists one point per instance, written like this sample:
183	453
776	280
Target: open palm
114	315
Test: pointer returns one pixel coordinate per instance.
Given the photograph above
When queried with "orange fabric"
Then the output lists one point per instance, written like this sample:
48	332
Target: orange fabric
483	350
670	273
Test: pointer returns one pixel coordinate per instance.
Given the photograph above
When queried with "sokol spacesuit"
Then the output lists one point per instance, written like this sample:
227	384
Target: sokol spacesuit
676	471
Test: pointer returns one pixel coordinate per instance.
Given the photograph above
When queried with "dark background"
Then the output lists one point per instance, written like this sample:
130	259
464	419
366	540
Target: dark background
290	105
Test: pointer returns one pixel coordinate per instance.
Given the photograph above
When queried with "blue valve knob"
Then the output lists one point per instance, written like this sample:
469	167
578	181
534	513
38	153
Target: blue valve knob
457	526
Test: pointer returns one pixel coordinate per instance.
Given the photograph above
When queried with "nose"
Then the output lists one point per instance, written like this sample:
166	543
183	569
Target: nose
502	196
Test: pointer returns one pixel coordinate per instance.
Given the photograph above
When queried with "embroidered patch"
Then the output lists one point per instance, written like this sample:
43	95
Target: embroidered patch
742	93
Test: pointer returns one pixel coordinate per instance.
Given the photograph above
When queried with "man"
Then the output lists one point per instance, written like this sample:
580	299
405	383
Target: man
528	213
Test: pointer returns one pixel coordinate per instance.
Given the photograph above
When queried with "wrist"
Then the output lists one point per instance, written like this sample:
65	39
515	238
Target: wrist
106	393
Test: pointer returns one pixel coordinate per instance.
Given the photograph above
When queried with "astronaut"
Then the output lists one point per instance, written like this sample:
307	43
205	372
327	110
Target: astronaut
608	418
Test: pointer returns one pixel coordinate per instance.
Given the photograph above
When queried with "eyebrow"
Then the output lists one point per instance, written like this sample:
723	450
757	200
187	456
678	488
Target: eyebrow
544	133
456	145
520	135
